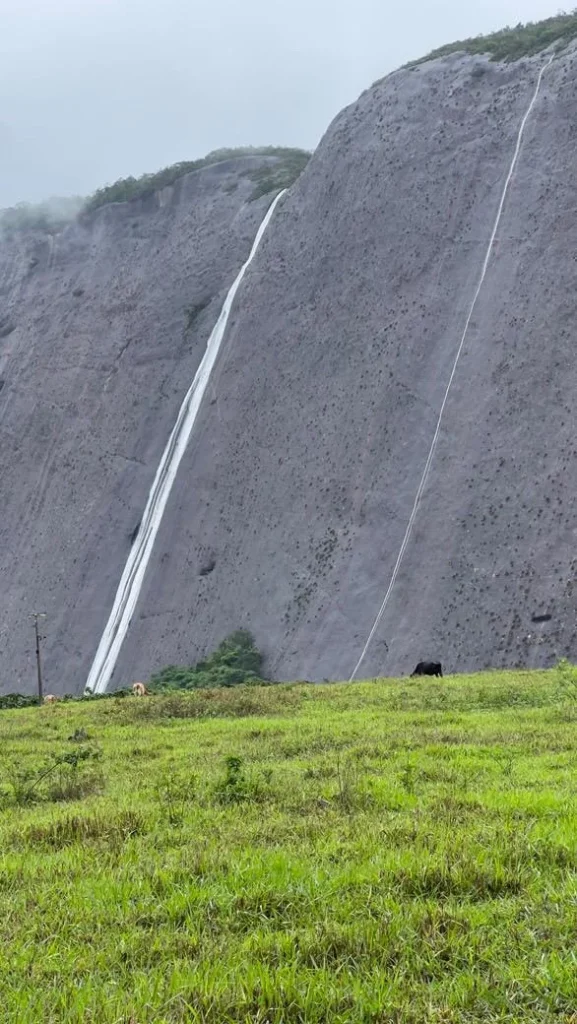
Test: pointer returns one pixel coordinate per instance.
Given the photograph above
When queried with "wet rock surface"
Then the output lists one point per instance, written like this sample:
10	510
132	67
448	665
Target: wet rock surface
302	472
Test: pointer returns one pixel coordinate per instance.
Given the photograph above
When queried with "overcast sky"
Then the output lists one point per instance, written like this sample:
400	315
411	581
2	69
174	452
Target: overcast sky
94	90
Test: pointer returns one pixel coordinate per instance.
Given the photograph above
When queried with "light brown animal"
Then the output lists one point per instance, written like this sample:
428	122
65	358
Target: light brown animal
50	698
139	690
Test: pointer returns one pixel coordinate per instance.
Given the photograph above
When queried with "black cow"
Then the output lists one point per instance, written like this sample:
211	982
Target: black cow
428	668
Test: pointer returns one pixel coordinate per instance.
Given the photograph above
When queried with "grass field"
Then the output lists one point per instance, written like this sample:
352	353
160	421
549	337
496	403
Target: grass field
382	852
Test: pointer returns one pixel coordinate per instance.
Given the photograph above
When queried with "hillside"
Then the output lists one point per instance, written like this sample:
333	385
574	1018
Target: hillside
373	853
299	481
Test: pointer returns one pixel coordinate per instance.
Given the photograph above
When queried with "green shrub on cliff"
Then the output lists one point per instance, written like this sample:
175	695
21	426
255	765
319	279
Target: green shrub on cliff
278	176
513	43
236	660
291	163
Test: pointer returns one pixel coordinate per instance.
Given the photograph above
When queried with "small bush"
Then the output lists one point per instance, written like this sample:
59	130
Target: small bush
236	660
233	787
283	175
114	831
76	775
236	786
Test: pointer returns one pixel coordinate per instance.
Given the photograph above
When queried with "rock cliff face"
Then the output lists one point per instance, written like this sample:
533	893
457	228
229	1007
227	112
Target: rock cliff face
293	498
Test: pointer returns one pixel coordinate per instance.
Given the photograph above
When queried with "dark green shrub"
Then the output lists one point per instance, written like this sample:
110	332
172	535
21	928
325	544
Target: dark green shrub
236	660
67	776
113	831
279	176
234	786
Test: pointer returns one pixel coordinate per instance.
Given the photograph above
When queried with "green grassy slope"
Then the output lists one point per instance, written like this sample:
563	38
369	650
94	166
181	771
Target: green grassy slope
383	852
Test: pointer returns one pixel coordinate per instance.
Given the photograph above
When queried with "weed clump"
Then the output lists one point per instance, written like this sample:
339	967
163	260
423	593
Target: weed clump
17	700
233	787
73	829
236	785
68	776
173	793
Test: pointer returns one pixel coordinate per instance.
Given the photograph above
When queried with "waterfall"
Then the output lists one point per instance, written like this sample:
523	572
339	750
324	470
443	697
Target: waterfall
432	449
134	571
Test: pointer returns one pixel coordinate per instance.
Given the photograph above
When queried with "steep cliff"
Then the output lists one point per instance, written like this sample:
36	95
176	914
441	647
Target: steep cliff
102	327
300	478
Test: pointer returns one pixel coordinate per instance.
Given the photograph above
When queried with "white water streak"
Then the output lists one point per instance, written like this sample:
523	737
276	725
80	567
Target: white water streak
425	475
138	559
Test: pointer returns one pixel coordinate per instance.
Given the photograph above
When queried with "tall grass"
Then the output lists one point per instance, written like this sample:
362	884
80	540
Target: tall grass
390	851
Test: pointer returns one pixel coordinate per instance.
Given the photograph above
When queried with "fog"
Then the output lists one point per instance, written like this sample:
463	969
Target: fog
97	90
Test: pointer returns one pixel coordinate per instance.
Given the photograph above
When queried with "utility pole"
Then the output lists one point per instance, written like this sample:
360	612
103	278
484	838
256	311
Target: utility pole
36	616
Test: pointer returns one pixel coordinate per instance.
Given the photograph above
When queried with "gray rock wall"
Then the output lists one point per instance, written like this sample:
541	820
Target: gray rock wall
103	346
301	475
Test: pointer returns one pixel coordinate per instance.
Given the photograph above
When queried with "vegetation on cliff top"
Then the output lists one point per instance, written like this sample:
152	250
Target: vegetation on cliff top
387	851
290	163
54	214
511	44
274	177
507	44
236	660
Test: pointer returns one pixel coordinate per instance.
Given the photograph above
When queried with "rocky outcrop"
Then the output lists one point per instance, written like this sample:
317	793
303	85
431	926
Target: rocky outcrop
293	498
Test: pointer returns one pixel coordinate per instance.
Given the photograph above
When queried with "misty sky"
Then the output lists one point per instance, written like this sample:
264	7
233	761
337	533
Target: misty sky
94	90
